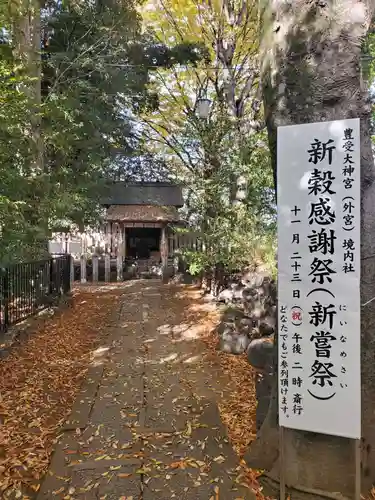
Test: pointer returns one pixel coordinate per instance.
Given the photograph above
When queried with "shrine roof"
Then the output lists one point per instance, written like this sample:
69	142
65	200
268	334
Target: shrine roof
147	194
142	213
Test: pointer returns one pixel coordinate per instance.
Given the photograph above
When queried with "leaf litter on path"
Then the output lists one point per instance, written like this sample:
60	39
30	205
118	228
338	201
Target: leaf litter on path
39	381
237	402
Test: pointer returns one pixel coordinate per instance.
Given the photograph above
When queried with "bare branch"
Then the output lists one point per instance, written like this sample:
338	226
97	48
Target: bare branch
86	51
177	147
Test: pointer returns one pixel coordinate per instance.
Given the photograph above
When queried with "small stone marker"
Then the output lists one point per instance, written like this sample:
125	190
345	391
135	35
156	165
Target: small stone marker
120	275
107	268
95	269
71	271
175	264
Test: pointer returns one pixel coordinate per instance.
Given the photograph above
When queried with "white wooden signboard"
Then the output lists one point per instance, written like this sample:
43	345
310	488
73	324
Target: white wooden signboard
319	277
56	247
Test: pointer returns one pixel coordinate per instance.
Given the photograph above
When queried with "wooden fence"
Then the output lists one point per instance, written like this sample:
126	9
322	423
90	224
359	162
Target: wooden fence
90	244
93	268
181	241
92	261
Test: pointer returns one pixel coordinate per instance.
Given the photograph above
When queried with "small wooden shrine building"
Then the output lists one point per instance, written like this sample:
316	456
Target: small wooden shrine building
140	218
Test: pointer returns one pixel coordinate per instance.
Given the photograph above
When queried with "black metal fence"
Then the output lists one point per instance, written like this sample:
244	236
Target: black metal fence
30	287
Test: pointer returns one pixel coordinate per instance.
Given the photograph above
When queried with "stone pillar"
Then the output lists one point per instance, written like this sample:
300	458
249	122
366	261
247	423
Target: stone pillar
84	244
164	253
108	240
164	248
120	274
176	264
124	243
95	269
114	238
83	269
120	241
107	268
71	271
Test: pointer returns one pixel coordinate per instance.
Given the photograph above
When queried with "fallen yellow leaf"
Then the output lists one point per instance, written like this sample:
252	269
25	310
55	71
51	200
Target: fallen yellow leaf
178	465
57	492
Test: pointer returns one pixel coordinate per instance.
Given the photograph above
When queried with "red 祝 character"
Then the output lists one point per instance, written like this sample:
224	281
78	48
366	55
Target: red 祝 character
296	316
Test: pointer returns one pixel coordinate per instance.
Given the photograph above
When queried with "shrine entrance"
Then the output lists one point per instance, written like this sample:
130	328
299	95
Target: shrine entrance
143	243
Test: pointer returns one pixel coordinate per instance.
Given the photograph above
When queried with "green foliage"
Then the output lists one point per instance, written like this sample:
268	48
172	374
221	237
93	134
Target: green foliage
210	156
15	154
235	234
101	71
96	65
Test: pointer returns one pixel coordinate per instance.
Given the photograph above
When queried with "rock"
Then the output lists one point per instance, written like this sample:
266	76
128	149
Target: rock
267	326
249	279
261	278
272	311
253	315
233	315
263	387
248	294
235	343
248	306
260	353
225	296
246	325
225	327
264	290
258	310
238	294
183	278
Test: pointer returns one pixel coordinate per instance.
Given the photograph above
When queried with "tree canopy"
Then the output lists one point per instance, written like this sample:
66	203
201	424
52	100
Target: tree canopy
70	111
224	153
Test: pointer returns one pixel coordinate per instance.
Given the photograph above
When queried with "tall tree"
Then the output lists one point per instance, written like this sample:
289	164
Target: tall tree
215	154
76	75
311	73
21	150
96	74
229	31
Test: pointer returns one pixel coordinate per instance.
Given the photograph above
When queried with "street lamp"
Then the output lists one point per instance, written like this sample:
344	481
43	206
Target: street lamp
203	107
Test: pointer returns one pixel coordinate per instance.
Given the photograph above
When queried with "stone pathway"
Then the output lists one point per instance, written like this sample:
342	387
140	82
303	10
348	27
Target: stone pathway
146	425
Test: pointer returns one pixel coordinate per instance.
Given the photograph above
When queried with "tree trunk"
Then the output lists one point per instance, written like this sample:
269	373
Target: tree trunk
36	73
312	74
27	52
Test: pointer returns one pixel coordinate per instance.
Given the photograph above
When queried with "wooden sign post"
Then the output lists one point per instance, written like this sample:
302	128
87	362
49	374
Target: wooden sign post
319	337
